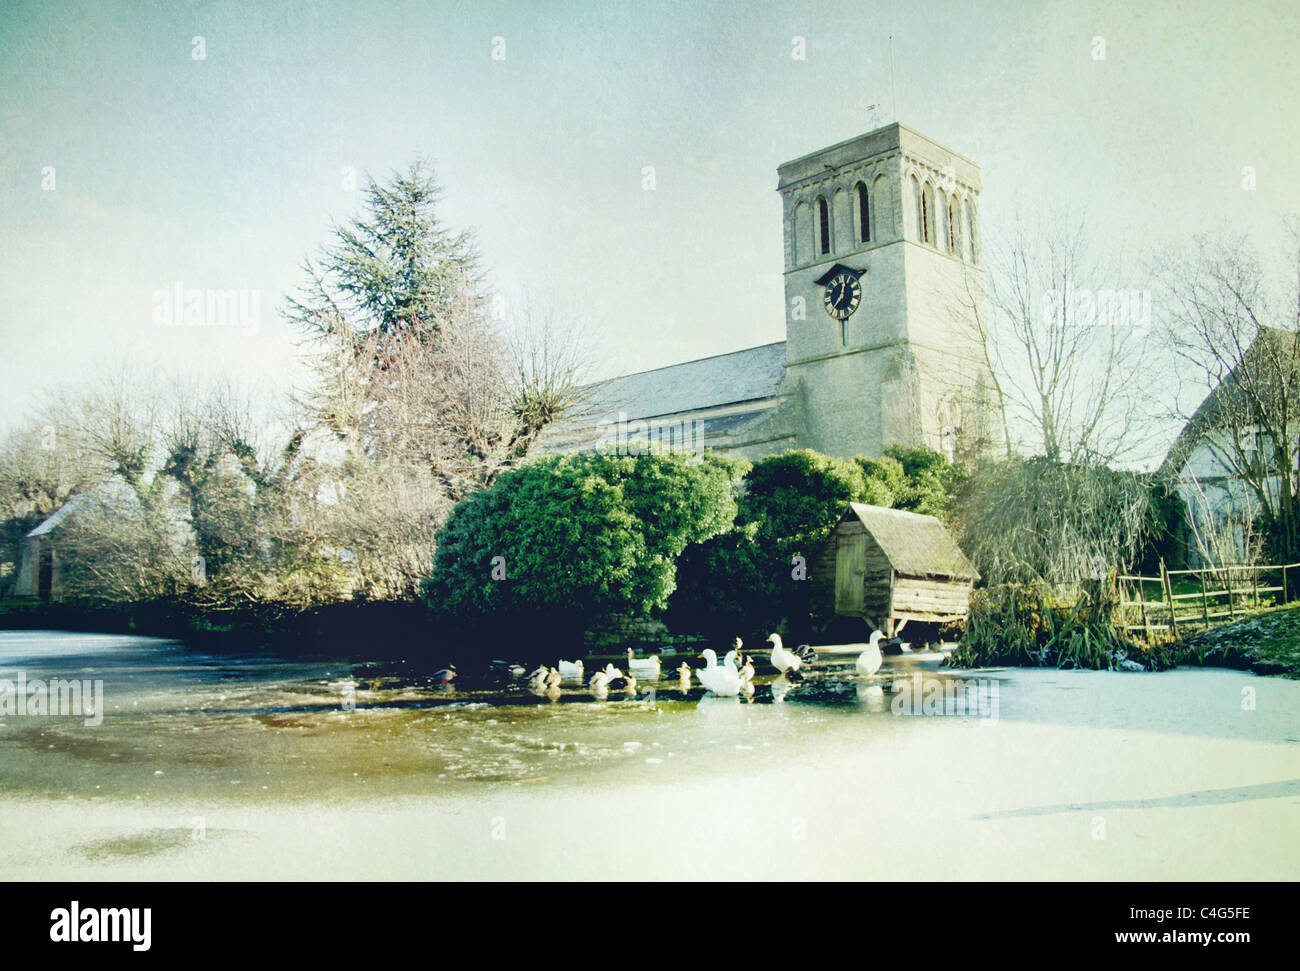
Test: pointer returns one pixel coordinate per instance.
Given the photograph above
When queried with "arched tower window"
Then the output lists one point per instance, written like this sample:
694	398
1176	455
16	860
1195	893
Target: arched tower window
823	225
974	237
803	234
954	243
864	215
941	241
917	213
927	214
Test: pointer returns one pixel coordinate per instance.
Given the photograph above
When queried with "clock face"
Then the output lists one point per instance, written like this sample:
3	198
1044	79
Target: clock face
843	294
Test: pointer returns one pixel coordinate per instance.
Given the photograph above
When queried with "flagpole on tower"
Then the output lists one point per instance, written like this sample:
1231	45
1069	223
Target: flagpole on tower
893	93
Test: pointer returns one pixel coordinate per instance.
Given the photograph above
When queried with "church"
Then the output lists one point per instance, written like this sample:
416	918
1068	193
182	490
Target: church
885	315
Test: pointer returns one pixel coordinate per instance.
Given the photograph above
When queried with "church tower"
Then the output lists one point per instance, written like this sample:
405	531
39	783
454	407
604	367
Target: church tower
885	297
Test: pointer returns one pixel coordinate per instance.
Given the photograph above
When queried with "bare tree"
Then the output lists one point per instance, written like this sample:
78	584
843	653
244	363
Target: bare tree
1063	345
1221	535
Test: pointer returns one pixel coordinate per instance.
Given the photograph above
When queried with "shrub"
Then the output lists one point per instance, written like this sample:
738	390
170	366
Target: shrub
578	536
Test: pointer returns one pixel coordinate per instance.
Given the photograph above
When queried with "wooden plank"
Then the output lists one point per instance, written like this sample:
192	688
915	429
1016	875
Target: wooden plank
1169	593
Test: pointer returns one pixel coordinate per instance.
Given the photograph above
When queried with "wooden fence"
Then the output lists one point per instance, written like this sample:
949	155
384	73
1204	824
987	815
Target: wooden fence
1188	600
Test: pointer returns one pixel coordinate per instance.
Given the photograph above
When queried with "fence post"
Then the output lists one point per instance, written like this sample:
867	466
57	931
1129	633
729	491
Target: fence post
1169	596
1205	603
1254	584
1227	583
1285	592
1142	604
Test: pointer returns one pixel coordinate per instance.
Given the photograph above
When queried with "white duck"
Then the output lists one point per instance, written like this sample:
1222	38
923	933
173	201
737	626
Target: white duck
647	667
782	659
571	670
723	680
870	660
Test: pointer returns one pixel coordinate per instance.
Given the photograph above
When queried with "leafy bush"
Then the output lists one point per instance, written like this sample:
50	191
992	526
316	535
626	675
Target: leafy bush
885	481
578	536
929	480
795	498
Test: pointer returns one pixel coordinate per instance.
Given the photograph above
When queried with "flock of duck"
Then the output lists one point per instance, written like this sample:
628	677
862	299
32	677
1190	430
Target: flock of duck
733	676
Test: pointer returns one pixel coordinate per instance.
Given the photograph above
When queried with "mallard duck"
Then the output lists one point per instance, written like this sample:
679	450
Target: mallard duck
647	667
870	660
684	674
805	653
624	683
537	679
446	675
747	671
782	659
553	679
721	679
571	670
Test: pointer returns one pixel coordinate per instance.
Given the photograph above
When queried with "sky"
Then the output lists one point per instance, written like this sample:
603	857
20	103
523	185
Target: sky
130	166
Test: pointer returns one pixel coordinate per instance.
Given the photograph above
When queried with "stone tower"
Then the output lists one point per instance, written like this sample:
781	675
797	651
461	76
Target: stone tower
884	293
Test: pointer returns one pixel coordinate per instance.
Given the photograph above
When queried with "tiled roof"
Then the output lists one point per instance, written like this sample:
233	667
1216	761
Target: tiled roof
915	545
58	516
1271	354
709	382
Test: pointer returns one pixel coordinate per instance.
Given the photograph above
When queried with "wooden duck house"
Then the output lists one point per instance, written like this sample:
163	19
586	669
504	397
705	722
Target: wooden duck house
889	567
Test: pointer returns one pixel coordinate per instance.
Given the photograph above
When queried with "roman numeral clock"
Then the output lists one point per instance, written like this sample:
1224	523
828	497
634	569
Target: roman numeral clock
841	293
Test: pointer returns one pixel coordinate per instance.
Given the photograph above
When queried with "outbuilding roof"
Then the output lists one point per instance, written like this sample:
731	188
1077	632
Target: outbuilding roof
915	545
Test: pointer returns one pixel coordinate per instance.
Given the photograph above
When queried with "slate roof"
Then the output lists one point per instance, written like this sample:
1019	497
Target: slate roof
915	545
58	516
749	375
1272	353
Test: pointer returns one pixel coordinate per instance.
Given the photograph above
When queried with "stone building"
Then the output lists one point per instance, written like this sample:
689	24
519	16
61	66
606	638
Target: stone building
884	308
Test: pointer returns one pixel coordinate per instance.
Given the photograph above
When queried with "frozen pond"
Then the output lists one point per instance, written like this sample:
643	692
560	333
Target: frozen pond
262	766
